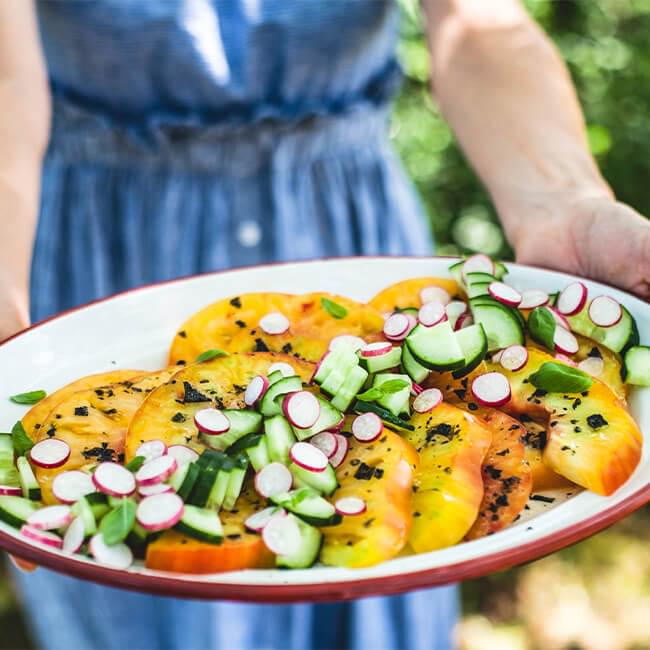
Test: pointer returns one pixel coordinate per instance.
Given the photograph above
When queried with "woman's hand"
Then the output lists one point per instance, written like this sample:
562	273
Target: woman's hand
14	309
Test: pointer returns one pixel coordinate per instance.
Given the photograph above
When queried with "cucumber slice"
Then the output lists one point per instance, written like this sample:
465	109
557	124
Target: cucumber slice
279	438
276	375
187	480
456	271
244	443
478	278
387	417
351	386
242	422
382	361
208	470
9	474
235	483
98	504
396	403
478	289
6	448
259	454
500	270
82	508
618	338
636	365
324	481
268	406
201	524
416	371
305	556
28	482
436	347
309	505
220	487
15	510
329	418
137	540
337	376
473	343
501	326
328	363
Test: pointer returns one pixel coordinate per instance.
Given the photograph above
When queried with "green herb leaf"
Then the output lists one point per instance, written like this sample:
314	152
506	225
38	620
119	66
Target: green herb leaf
333	308
32	397
208	355
21	441
117	524
387	388
135	463
541	326
559	378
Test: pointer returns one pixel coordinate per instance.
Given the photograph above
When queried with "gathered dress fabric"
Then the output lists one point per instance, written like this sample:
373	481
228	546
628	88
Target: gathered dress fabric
197	135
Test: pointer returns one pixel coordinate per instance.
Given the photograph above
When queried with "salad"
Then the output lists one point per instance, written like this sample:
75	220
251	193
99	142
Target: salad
294	430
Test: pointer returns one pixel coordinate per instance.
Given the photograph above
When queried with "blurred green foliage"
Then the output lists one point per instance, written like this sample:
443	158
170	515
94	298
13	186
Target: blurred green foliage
606	47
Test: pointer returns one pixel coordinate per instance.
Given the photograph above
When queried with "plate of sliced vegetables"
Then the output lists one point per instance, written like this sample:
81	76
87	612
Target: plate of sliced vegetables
324	430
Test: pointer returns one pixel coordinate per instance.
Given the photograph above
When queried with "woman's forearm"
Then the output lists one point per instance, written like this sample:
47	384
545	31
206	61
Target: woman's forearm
508	96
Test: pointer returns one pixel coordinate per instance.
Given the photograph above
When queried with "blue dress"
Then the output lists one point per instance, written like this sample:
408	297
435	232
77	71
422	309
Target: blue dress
194	135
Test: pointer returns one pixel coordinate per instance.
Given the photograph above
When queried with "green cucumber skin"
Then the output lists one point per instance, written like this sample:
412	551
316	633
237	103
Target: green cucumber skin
202	537
312	540
388	418
414	340
15	510
635	356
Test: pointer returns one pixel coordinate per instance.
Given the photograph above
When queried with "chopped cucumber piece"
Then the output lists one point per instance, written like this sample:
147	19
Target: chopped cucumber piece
279	438
6	448
137	540
28	483
637	365
259	454
244	443
416	371
269	406
473	343
500	270
329	417
81	508
15	510
337	376
478	278
242	422
201	524
436	347
309	505
617	338
220	487
235	483
456	271
397	403
382	361
324	481
329	362
9	474
307	553
209	466
98	504
351	386
276	375
502	327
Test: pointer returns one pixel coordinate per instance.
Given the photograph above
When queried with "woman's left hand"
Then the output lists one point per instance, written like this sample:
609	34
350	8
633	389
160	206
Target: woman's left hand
598	238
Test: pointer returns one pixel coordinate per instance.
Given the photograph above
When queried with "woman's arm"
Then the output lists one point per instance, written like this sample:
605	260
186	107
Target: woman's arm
24	129
508	96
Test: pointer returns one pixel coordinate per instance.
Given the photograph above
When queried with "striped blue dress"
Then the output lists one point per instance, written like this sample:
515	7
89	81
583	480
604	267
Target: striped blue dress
195	135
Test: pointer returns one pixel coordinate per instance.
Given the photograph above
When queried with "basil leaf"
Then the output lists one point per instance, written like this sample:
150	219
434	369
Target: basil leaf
32	397
208	355
117	524
21	441
559	378
371	395
541	326
387	388
333	308
135	463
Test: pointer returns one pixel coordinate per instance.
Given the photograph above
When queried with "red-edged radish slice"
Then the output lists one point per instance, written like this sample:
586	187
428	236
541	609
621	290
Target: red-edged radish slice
183	454
375	349
155	488
464	320
301	408
117	556
255	390
74	536
286	369
478	263
564	359
347	341
532	298
605	311
258	520
308	457
156	470
341	450
151	449
496	357
491	389
593	366
514	357
413	321
504	293
70	486
282	535
114	480
274	323
572	299
326	442
350	506
454	310
431	294
160	511
396	326
367	427
51	517
432	313
42	536
560	319
50	453
564	341
416	389
211	421
273	479
10	491
427	400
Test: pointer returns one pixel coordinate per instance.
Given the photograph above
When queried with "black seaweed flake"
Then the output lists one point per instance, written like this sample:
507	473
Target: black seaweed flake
102	454
542	498
364	472
240	324
260	346
505	452
81	411
191	395
178	417
236	302
492	472
51	432
443	429
287	348
460	393
596	421
182	334
576	403
596	353
472	406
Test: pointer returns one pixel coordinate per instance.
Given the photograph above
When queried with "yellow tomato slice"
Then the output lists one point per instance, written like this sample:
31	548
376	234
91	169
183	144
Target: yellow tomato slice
407	293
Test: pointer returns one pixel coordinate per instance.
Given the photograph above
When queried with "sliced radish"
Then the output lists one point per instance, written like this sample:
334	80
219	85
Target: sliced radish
51	517
113	479
564	341
464	320
117	556
50	453
396	327
211	421
273	479
42	536
605	311
572	299
431	294
282	535
274	323
455	310
533	298
427	400
183	454
367	427
69	487
155	488
491	389
258	520
416	389
308	457
156	470
11	490
326	442
348	341
341	450
514	357
74	536
301	408
560	319
564	359
504	293
432	313
375	349
151	449
413	321
496	357
478	263
286	369
350	506
160	511
255	390
593	366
